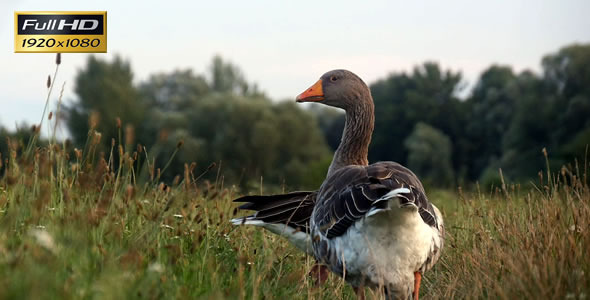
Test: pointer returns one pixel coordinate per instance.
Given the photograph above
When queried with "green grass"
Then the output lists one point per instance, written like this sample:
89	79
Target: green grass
70	228
74	228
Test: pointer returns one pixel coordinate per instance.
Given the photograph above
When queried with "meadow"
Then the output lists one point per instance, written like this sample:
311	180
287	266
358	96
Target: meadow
76	227
76	224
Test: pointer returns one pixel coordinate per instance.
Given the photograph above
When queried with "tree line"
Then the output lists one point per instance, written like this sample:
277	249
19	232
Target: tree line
219	117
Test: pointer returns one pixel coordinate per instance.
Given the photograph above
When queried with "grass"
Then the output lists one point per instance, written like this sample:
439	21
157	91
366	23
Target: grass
518	244
72	226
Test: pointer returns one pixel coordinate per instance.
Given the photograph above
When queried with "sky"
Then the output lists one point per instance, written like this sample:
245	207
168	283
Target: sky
284	46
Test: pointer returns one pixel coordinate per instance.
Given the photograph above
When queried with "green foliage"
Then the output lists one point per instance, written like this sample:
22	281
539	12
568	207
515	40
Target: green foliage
402	100
551	112
254	138
228	78
226	121
174	92
430	155
529	129
491	107
578	144
490	178
13	144
568	72
105	92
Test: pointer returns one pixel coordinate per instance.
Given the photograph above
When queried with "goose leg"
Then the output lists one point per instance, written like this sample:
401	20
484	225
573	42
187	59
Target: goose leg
319	274
417	279
360	292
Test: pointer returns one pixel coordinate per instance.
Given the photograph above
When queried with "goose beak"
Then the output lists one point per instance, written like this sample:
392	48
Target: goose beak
312	94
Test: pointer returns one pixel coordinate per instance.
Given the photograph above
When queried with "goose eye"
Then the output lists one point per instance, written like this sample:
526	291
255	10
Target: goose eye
333	78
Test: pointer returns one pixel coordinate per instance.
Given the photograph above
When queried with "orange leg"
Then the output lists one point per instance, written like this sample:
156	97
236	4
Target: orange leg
417	279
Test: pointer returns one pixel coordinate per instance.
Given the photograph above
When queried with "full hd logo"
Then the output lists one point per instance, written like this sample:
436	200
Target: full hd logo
60	31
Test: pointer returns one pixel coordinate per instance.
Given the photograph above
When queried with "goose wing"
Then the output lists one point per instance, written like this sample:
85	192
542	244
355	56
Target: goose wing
355	192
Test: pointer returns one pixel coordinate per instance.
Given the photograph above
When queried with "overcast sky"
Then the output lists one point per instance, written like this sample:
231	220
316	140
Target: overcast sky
285	46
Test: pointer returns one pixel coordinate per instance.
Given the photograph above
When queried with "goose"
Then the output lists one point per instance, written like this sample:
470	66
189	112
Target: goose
371	224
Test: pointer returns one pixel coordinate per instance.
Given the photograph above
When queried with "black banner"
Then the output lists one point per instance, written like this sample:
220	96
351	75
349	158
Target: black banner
61	24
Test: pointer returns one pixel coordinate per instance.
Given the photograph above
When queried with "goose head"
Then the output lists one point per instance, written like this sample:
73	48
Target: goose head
338	88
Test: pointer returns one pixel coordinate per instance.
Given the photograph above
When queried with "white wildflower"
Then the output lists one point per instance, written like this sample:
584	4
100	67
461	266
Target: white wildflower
44	239
156	267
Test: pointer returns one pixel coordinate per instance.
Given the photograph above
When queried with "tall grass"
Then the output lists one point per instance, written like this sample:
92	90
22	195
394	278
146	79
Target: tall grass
525	243
72	226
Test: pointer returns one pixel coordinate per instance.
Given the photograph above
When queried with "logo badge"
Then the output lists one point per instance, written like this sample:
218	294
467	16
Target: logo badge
60	31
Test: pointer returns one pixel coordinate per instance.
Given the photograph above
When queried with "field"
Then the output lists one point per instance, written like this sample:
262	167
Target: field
72	226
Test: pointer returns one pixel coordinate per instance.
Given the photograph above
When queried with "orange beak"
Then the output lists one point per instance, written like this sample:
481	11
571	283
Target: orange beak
312	94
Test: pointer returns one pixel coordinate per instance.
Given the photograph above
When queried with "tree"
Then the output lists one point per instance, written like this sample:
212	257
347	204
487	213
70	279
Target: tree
403	100
249	135
172	99
227	78
568	72
104	92
529	130
429	155
175	91
491	107
14	143
255	138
